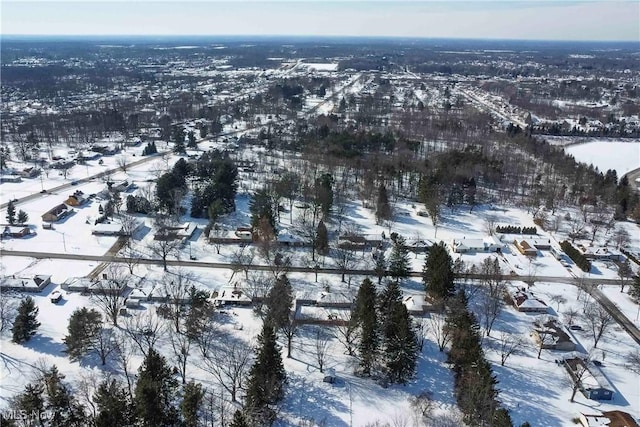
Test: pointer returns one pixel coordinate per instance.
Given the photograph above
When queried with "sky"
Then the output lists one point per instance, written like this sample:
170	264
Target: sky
605	20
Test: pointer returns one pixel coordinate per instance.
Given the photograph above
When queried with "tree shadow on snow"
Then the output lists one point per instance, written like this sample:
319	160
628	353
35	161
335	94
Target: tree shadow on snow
43	344
312	399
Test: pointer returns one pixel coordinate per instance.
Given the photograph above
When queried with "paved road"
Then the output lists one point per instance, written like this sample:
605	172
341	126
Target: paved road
622	320
83	180
615	312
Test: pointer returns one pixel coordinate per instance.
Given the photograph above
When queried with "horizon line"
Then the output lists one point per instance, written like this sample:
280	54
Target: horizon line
319	36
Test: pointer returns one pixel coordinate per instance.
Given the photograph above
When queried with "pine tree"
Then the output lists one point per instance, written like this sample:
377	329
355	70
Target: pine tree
61	402
25	323
23	217
191	404
322	239
84	326
437	274
365	316
31	400
381	266
114	408
192	139
155	392
399	259
400	344
266	379
324	193
238	420
278	302
11	213
383	208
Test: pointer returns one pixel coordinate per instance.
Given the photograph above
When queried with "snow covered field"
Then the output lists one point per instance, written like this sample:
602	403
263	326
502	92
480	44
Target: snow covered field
621	156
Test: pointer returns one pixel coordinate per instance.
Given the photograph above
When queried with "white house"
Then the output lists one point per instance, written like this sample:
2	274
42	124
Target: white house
464	245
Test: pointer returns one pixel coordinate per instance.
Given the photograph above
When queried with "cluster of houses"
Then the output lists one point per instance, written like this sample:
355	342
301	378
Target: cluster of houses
17	175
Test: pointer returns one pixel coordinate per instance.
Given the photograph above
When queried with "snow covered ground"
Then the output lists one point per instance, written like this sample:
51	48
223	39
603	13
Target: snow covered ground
621	156
534	390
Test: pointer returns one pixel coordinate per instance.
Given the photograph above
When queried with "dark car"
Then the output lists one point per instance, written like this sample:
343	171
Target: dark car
74	182
575	327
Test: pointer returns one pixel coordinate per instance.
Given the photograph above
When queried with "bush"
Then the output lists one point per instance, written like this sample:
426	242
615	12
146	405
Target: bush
581	261
512	229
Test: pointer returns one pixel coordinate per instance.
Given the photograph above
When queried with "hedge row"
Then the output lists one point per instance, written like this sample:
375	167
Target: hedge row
581	261
512	229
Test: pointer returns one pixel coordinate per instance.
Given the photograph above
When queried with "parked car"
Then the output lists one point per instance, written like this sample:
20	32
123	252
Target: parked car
55	297
575	327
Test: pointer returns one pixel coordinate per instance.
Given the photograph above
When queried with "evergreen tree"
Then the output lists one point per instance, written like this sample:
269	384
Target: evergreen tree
437	274
324	193
266	379
322	239
191	404
192	140
634	290
278	302
113	406
399	259
400	343
23	217
61	402
381	266
155	392
238	420
84	326
25	323
11	213
261	207
366	319
31	400
383	208
177	134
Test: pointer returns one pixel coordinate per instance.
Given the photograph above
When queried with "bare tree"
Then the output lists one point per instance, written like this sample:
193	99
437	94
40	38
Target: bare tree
107	293
218	411
492	299
121	161
289	329
258	285
215	236
508	344
8	311
423	406
124	352
242	260
228	360
104	344
164	248
558	299
321	348
344	259
598	320
422	327
577	371
570	314
625	274
632	361
346	331
490	225
131	258
176	287
441	331
543	331
145	330
85	388
621	237
181	345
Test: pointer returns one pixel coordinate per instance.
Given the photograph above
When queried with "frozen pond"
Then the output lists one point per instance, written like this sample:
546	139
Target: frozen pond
621	156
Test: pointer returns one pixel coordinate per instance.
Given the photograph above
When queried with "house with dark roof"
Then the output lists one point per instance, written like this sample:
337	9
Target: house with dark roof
551	336
56	213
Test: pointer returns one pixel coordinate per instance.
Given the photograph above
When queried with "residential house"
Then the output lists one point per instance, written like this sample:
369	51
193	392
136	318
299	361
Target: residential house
475	245
30	172
551	336
176	232
591	382
323	308
16	232
87	285
596	253
76	199
230	295
357	242
56	213
10	178
608	419
525	301
525	248
415	304
25	284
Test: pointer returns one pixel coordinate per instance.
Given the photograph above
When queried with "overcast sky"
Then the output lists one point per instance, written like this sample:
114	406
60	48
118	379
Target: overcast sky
532	20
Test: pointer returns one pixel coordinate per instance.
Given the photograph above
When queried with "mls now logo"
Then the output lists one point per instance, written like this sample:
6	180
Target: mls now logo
22	414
